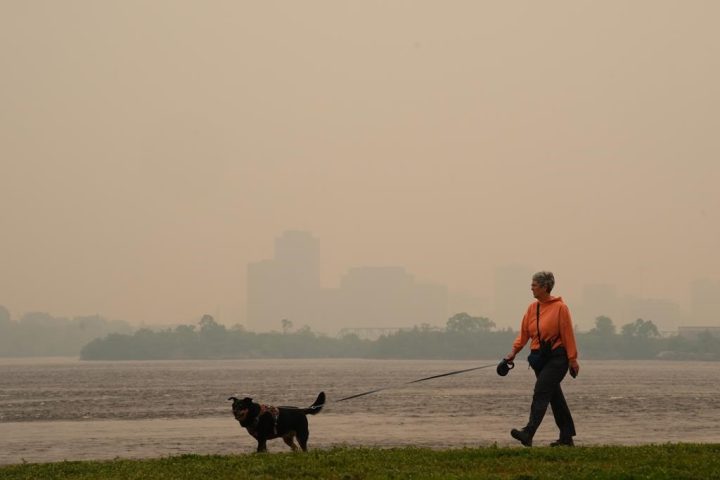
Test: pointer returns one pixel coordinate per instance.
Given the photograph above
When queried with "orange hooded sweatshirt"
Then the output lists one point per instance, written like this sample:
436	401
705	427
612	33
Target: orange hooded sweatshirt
555	322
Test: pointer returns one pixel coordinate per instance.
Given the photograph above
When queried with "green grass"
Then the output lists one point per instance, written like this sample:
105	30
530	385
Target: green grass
669	461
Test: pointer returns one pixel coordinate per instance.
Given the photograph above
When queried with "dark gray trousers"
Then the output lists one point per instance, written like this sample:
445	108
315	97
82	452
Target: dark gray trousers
548	392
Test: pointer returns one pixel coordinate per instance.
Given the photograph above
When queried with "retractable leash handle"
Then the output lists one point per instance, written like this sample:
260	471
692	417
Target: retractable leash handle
504	367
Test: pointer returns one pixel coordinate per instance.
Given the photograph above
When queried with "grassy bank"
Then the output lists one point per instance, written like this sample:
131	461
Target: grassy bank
678	461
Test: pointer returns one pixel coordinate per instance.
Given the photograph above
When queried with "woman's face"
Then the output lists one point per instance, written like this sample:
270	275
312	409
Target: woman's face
537	290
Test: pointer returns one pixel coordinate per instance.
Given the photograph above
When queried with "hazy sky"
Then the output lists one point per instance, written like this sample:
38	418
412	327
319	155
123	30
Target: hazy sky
150	149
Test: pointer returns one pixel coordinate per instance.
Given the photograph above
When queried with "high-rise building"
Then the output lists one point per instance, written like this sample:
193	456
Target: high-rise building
665	314
286	287
297	255
389	297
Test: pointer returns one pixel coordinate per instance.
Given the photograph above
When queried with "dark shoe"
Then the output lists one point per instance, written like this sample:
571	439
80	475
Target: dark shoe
522	435
563	442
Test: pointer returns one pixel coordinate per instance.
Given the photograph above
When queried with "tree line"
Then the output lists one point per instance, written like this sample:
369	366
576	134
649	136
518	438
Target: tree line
464	337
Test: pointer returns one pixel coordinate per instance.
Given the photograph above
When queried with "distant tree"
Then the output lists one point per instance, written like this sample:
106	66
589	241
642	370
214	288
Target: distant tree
207	324
641	328
211	331
287	325
708	343
465	323
185	329
648	330
603	326
305	330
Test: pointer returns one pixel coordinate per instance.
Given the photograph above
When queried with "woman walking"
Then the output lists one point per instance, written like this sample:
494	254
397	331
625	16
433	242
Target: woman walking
547	323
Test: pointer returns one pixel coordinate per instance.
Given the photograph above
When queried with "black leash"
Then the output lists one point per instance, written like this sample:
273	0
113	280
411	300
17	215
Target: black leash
415	381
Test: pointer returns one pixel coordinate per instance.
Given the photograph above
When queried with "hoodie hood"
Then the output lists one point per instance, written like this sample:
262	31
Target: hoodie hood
552	300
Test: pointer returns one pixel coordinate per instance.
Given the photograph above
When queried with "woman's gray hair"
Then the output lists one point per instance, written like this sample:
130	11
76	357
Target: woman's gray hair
545	280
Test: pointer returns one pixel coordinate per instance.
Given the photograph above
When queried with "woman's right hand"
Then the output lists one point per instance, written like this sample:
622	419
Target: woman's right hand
510	356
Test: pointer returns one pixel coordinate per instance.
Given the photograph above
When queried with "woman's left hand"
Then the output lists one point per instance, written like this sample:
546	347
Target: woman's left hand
574	368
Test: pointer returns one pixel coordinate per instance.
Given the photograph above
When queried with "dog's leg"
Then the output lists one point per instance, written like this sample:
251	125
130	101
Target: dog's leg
302	436
262	445
289	441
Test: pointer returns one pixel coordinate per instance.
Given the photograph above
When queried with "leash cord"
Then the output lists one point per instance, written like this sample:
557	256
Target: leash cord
414	381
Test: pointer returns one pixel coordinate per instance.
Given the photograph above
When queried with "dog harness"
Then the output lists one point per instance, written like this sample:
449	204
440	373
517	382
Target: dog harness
274	411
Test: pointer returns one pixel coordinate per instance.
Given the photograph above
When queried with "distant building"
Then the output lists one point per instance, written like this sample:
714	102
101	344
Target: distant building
692	333
705	301
286	287
665	314
388	297
297	253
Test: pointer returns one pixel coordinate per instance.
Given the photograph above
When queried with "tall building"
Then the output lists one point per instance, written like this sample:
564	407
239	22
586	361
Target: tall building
388	297
665	314
297	254
287	286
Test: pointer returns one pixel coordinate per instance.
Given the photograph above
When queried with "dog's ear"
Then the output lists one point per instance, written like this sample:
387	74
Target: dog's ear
234	399
247	400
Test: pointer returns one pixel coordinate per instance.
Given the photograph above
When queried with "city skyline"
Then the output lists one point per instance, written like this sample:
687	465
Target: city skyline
505	304
148	151
293	276
287	291
287	288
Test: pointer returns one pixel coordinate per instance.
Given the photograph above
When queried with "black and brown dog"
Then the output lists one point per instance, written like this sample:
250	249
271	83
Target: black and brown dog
265	422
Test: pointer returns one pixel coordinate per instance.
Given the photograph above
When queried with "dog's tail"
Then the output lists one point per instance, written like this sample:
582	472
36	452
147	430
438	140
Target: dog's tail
317	406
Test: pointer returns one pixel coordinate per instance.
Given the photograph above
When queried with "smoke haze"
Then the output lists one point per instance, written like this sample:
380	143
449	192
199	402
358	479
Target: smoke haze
150	151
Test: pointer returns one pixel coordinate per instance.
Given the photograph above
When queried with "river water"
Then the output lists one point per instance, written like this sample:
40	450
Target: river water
63	409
